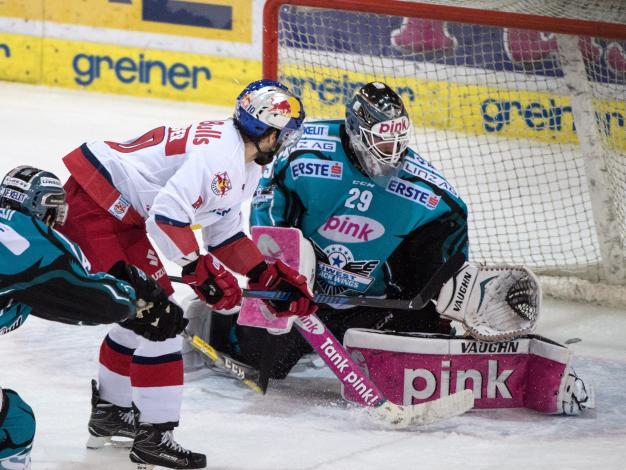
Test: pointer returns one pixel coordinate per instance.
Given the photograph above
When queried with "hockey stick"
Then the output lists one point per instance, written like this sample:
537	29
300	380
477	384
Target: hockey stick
243	372
430	290
381	410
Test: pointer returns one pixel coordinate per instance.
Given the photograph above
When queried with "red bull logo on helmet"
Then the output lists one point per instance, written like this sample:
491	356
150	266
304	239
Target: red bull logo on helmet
287	106
395	126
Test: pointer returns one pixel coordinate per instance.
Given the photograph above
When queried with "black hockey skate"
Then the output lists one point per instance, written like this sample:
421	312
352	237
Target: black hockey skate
155	445
109	423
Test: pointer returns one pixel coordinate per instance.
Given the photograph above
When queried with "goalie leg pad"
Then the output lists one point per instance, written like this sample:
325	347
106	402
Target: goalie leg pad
496	303
411	368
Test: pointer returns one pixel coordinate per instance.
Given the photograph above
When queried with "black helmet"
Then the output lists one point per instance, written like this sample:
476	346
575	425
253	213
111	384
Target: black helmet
34	192
378	125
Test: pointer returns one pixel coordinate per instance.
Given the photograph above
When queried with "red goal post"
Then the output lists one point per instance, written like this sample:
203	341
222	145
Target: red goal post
493	96
433	12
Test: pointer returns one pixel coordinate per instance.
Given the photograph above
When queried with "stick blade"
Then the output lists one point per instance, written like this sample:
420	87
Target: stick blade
236	369
395	416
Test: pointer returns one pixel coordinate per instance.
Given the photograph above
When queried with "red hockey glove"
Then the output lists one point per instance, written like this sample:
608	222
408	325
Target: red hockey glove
280	277
212	283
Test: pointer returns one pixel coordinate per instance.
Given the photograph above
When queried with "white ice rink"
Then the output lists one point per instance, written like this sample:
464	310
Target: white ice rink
302	423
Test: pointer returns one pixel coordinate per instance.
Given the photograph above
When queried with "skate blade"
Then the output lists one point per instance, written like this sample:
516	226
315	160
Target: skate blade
95	442
145	466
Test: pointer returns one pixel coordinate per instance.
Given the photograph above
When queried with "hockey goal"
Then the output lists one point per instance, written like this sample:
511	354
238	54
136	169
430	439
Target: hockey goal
493	96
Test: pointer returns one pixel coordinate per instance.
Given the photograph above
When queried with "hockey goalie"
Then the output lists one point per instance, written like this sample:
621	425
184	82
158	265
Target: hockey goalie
382	222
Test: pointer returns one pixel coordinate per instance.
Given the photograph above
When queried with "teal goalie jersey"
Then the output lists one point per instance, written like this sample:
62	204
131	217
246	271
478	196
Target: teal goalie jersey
378	238
44	274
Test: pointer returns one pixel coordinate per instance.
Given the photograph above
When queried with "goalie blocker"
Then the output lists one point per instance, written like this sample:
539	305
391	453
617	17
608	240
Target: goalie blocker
530	372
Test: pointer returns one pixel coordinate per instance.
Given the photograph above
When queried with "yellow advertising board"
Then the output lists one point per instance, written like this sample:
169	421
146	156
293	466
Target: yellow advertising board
160	74
461	108
227	20
464	108
125	70
20	58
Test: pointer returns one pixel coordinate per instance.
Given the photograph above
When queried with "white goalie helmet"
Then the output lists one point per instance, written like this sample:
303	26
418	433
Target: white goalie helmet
379	128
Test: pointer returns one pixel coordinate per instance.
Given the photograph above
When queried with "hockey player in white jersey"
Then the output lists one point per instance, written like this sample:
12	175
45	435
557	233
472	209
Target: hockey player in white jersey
162	183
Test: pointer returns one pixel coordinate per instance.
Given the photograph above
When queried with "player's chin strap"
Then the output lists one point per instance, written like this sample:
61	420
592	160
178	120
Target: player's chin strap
495	303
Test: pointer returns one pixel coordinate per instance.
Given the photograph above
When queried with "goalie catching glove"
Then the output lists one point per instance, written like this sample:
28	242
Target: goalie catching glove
156	318
212	282
495	303
278	276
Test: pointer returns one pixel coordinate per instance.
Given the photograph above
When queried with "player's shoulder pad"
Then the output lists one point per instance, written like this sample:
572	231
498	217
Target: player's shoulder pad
417	169
24	224
321	139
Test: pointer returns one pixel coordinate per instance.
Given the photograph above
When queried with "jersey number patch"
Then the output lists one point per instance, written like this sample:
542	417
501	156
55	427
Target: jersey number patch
359	199
149	139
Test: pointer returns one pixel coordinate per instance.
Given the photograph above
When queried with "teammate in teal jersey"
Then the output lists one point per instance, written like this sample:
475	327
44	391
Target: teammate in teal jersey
42	273
381	219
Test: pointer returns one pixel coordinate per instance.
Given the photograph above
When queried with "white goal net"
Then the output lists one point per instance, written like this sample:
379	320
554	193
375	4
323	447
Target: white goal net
521	104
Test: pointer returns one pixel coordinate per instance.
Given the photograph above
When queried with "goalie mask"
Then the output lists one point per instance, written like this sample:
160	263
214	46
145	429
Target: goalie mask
34	192
264	105
378	125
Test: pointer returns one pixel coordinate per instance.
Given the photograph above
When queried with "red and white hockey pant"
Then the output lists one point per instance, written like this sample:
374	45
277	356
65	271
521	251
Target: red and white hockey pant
132	369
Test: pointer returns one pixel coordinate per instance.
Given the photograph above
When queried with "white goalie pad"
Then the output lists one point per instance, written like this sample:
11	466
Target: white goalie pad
496	303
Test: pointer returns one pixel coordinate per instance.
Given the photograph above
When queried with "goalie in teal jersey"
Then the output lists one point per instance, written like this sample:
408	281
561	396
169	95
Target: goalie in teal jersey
42	273
381	220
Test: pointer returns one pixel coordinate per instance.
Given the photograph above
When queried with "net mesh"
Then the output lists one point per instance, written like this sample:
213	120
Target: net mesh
491	108
610	11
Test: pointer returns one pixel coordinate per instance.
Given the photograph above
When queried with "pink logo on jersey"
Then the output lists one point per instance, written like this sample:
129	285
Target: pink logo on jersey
351	229
221	184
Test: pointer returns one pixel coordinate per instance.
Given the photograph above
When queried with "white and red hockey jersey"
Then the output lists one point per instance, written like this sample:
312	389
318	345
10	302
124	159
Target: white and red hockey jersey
172	178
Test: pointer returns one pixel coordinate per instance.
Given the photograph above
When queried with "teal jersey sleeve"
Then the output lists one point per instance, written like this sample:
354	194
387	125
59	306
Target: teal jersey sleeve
45	272
275	203
12	316
368	236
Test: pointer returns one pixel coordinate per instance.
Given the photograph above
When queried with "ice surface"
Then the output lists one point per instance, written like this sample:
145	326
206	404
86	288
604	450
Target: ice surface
302	423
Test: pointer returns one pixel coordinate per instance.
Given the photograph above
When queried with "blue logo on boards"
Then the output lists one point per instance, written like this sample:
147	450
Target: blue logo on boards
128	70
